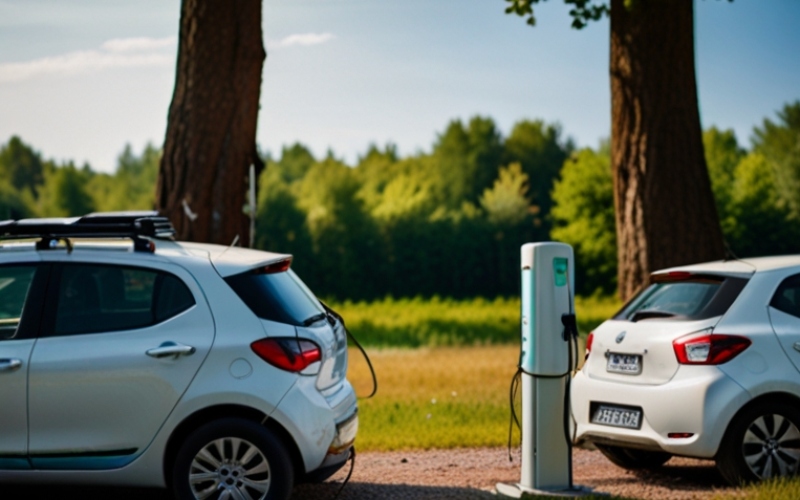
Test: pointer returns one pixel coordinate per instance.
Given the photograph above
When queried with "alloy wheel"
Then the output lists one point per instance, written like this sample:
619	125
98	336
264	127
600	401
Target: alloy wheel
230	468
771	446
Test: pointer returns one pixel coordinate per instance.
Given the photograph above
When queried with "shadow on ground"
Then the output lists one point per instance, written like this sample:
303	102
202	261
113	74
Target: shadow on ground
325	491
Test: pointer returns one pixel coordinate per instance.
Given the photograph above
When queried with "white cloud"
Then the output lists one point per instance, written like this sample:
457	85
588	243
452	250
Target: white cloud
139	44
303	39
117	53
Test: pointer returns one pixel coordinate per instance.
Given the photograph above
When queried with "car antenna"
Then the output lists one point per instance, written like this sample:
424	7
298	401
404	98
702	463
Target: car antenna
729	255
233	244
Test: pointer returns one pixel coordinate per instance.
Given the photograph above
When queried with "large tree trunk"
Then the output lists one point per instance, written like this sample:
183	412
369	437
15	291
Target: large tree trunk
665	209
210	140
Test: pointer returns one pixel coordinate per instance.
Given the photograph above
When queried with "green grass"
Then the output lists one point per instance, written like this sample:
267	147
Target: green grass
434	398
445	322
779	489
451	390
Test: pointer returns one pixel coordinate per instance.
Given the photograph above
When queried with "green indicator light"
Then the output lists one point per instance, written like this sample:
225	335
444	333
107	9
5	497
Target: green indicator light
560	270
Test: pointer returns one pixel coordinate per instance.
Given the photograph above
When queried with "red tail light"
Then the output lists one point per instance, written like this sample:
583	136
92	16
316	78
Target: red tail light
275	267
707	349
287	353
589	342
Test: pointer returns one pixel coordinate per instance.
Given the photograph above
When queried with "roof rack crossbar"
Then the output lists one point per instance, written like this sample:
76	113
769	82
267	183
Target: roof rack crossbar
134	225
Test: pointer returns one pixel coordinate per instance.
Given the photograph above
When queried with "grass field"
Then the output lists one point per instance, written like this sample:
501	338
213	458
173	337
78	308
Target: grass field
434	397
444	368
446	322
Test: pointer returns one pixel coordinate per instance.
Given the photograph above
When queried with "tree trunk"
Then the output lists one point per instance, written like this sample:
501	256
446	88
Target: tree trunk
665	211
210	139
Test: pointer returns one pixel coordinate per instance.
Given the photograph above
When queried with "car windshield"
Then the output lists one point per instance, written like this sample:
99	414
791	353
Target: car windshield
281	297
694	297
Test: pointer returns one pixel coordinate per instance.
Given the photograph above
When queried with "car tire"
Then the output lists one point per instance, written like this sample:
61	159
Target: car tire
233	454
633	459
762	442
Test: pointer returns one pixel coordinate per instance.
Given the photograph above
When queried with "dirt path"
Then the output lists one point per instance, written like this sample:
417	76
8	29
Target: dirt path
468	474
473	473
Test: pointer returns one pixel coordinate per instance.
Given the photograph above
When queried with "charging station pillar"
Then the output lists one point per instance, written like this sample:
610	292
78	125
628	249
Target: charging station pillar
547	285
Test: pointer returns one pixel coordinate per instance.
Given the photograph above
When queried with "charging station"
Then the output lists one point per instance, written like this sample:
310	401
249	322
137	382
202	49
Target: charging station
545	365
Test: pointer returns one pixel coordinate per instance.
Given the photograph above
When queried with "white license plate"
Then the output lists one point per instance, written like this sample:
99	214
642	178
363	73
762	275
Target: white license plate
628	364
617	417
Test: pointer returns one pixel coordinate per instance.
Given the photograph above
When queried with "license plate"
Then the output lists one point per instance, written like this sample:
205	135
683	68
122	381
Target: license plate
628	364
616	416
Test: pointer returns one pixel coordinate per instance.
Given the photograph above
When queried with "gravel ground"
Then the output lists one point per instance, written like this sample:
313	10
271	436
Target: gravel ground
468	474
472	474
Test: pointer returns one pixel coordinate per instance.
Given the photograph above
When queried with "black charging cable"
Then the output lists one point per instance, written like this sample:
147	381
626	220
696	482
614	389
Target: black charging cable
352	460
352	337
360	348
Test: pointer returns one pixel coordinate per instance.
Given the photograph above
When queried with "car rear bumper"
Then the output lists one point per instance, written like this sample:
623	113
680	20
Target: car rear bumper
323	428
698	400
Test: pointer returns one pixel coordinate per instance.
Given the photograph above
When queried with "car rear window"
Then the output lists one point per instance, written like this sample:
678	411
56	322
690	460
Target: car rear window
281	297
687	298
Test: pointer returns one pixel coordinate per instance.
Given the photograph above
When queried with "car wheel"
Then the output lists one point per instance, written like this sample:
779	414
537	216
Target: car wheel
632	459
761	443
232	458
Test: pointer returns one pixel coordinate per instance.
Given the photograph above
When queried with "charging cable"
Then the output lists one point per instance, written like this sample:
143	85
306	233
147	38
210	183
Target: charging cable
352	337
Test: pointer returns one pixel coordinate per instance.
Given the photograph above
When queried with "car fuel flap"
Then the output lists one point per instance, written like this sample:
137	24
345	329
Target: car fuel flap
640	352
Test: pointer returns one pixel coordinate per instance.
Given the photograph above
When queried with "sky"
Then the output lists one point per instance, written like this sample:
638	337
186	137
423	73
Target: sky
80	79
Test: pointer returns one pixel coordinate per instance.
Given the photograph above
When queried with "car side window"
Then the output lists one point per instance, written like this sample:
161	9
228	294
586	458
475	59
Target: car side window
15	283
787	297
105	298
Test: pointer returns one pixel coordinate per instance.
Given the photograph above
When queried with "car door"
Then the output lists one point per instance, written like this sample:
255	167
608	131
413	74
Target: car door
119	346
784	313
21	297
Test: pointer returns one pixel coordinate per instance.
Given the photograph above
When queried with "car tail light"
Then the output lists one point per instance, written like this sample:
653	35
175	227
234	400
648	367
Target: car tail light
680	435
589	342
275	267
288	353
709	349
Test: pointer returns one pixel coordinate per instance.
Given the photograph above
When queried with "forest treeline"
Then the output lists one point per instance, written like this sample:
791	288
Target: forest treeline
448	221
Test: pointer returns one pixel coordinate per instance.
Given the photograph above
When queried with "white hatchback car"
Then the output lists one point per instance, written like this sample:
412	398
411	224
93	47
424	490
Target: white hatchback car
702	363
131	359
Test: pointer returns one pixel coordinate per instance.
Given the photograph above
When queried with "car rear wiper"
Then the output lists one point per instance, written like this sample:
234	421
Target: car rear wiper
650	313
313	319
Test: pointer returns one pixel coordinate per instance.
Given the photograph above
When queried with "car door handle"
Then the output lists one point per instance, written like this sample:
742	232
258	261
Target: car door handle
170	349
9	365
796	346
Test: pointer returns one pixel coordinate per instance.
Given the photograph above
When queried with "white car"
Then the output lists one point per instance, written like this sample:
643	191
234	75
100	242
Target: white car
702	363
127	358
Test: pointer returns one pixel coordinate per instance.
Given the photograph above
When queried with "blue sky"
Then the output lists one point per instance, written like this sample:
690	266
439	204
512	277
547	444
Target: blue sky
80	79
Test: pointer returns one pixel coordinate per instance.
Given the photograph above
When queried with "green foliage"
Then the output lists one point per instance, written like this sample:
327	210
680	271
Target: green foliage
538	147
506	202
722	153
13	205
295	162
64	193
435	322
20	166
584	218
779	142
447	223
132	187
582	12
467	159
759	220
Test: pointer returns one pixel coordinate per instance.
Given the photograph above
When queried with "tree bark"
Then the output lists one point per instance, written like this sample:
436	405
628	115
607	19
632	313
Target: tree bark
210	140
664	206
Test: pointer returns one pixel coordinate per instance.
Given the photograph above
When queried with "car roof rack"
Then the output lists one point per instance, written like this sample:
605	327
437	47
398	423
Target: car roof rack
139	226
